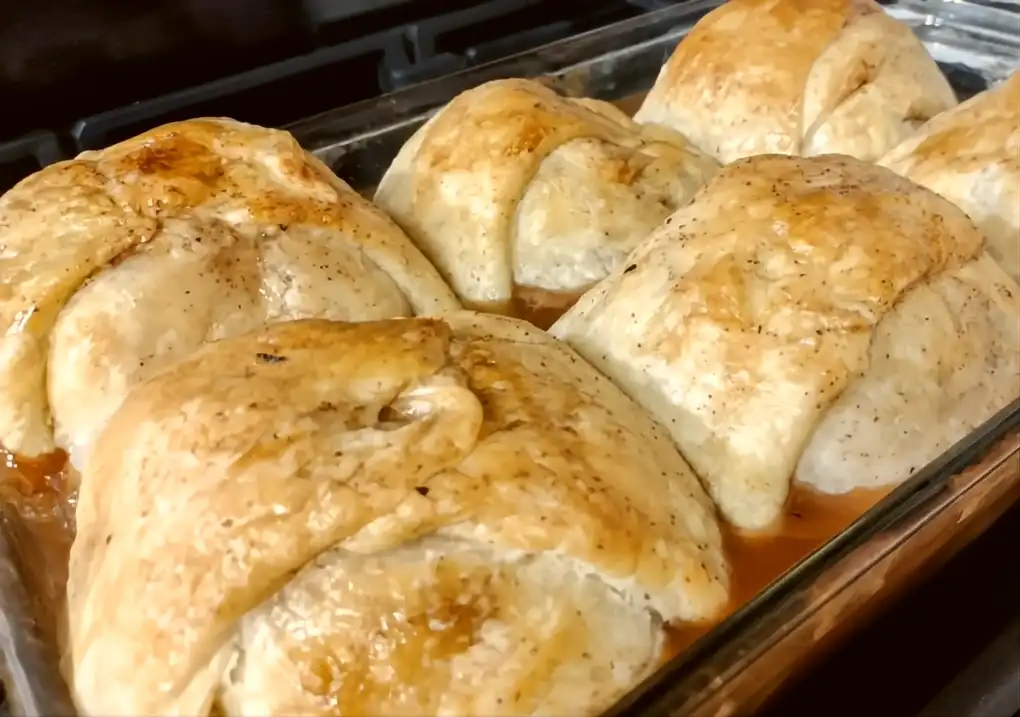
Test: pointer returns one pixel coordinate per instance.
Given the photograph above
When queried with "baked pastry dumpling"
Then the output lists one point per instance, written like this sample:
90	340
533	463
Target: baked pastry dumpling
800	77
971	156
409	517
124	259
819	319
523	199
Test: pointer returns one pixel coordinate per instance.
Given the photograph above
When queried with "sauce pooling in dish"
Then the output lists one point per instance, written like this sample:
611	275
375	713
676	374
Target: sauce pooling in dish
810	520
541	307
41	491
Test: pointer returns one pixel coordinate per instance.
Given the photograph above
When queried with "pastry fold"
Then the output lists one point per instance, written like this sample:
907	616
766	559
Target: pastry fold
415	516
971	156
126	259
798	77
523	198
819	319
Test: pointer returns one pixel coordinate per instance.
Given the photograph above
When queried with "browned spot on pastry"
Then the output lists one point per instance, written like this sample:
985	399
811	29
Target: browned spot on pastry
443	620
529	139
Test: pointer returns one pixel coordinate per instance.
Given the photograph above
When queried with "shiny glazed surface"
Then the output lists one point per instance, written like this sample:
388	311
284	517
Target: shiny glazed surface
276	501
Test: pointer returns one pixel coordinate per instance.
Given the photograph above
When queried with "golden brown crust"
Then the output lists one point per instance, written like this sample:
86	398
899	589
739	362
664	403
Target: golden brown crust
219	478
151	201
971	156
513	185
739	329
797	77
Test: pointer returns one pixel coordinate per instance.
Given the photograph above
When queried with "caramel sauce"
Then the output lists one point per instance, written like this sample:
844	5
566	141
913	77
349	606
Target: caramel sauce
40	492
542	307
32	476
810	520
631	103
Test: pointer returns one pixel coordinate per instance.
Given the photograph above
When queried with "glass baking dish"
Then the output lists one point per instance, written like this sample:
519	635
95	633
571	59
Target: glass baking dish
975	44
737	665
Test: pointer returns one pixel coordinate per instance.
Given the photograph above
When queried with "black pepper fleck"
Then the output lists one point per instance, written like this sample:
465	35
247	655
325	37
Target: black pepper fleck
269	358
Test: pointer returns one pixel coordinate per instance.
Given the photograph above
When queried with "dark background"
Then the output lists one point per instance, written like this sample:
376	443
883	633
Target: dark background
62	59
84	74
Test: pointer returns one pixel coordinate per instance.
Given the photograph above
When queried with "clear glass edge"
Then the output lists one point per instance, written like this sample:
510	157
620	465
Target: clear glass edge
29	668
984	29
740	640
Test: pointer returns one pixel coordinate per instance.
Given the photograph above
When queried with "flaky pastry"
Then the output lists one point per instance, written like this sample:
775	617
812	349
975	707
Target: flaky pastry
523	198
125	259
800	77
408	517
971	156
820	319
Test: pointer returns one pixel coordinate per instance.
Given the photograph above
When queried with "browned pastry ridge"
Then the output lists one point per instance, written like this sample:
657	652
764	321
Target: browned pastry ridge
971	156
520	195
408	517
125	259
800	77
843	328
